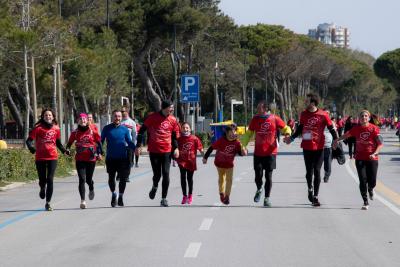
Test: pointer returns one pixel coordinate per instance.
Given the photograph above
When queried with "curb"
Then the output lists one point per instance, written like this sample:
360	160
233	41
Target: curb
12	186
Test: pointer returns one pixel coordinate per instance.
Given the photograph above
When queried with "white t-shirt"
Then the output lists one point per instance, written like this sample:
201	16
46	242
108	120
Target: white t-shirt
131	125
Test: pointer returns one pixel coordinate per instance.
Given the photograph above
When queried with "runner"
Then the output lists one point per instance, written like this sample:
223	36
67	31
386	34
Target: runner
91	123
327	152
117	161
188	145
369	143
265	126
350	142
131	125
88	150
137	155
312	124
163	131
340	125
46	135
227	147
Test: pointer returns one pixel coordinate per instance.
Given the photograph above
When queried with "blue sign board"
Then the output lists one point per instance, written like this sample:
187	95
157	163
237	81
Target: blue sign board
190	88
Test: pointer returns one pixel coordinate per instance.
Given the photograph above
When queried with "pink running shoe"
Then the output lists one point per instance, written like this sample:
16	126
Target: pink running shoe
184	200
190	199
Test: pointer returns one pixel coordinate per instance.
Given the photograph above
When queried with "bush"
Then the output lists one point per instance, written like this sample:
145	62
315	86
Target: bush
18	165
204	138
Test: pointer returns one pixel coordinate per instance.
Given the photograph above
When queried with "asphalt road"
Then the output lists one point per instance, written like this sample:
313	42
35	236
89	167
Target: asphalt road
207	233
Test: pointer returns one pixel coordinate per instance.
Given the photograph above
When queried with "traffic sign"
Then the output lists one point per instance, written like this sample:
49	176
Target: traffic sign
190	87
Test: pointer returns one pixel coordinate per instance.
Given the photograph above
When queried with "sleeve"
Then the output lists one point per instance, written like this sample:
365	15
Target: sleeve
216	144
328	120
32	133
208	153
139	139
103	134
71	139
284	129
30	145
352	132
128	140
96	136
60	146
238	146
245	139
252	125
134	133
298	132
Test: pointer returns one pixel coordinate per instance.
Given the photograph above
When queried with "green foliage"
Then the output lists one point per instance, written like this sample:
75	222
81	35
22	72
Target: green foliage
19	165
387	66
204	138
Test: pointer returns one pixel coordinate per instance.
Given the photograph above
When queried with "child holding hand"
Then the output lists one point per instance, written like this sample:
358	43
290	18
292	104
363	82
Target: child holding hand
227	147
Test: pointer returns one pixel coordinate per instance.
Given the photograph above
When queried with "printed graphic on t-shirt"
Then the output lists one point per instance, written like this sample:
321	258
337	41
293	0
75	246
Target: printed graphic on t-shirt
49	137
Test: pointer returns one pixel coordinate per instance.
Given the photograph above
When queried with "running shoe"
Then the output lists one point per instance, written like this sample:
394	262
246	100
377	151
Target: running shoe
371	194
315	202
190	199
164	202
365	206
267	202
326	179
83	205
257	196
120	201
152	193
136	165
113	200
117	178
128	180
222	197
184	200
48	207
91	194
310	195
42	193
226	200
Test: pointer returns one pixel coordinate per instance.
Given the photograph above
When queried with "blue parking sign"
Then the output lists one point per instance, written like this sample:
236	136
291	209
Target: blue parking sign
190	87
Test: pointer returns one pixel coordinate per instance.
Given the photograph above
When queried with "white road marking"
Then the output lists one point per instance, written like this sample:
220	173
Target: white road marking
192	250
378	197
206	224
217	206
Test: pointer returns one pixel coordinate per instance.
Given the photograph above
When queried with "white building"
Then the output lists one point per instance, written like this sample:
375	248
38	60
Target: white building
330	34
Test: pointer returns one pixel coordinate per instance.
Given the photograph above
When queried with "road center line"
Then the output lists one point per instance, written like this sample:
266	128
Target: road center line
217	206
378	197
206	224
193	250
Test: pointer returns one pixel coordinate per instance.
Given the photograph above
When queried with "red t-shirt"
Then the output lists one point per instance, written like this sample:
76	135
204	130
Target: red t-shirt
86	144
160	129
265	128
188	146
366	143
314	124
45	141
226	152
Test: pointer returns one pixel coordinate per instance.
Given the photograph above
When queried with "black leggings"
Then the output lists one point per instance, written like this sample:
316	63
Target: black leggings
120	168
186	175
136	158
46	170
367	170
85	171
267	163
313	160
161	163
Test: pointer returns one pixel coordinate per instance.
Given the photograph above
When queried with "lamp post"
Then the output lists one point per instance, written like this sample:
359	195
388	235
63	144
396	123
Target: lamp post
234	102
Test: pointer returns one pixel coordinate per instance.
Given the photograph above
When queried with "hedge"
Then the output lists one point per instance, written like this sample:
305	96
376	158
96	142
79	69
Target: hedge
18	165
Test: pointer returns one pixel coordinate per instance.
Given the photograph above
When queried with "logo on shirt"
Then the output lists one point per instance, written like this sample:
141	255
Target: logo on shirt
365	135
313	121
265	127
187	146
49	137
165	125
229	149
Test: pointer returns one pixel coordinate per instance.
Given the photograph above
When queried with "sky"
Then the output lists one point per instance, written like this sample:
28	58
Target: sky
374	25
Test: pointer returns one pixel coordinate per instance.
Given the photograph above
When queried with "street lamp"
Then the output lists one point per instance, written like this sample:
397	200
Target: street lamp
234	102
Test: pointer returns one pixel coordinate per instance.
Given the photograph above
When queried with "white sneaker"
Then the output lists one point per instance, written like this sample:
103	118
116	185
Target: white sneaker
365	207
83	205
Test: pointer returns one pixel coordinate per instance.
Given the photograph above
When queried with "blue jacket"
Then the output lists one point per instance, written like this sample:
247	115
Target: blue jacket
117	137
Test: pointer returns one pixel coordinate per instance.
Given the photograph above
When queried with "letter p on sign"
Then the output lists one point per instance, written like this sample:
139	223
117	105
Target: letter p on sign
190	81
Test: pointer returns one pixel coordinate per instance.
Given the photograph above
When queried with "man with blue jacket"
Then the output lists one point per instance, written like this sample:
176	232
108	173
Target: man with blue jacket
117	161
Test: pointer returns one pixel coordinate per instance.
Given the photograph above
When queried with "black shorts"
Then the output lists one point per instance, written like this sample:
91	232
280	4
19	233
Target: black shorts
266	162
120	166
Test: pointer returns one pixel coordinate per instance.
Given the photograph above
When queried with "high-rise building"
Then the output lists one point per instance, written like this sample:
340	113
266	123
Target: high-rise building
330	34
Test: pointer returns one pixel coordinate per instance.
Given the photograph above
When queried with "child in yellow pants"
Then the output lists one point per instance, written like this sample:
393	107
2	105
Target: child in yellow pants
227	147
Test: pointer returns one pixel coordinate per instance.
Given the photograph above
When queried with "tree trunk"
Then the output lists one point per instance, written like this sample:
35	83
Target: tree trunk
2	123
27	98
54	98
84	101
14	110
152	97
34	99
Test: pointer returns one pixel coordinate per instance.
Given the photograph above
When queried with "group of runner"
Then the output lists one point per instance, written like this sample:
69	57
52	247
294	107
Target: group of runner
167	139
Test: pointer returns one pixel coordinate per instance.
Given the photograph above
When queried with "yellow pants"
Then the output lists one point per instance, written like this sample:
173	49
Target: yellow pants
225	176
